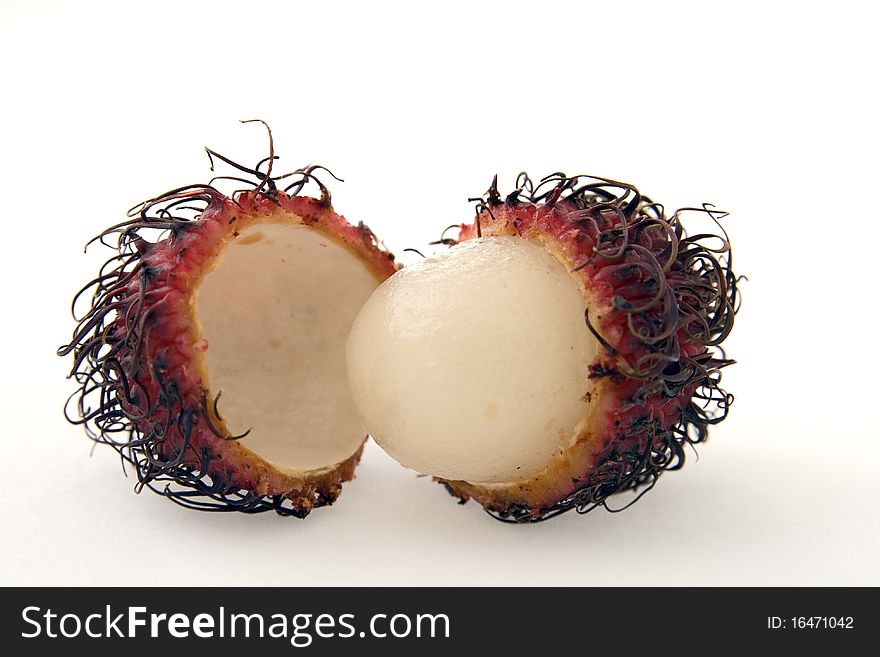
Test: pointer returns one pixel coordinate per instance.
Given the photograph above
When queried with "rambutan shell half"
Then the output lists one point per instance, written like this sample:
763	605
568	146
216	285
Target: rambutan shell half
659	302
159	308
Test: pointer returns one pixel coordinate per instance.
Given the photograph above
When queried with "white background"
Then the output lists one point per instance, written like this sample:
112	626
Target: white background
767	110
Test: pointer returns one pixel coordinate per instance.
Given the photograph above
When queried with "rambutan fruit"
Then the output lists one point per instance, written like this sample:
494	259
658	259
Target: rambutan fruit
566	348
250	295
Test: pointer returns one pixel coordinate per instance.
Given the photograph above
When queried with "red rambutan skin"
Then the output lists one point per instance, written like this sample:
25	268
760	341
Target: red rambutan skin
630	408
169	362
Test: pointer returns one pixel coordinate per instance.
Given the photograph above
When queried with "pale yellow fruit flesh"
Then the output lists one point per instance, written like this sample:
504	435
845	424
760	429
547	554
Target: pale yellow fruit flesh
276	311
472	365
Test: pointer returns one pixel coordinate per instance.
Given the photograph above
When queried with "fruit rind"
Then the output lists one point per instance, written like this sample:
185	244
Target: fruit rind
659	302
138	355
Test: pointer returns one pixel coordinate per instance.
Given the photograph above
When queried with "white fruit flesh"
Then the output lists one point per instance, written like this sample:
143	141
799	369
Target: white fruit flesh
472	365
276	311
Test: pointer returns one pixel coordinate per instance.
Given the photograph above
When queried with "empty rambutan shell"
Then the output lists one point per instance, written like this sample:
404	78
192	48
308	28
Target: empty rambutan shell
564	350
251	296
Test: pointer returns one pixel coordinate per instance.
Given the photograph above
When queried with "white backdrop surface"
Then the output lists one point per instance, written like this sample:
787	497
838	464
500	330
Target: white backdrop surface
767	110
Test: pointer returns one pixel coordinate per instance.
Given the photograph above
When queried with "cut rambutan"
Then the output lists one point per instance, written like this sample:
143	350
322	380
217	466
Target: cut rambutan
251	296
566	348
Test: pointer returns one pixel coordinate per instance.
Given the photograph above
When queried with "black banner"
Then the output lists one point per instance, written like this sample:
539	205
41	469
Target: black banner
538	621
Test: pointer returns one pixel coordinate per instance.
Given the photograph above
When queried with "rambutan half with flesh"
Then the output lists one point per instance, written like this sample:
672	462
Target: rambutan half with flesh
251	296
566	348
